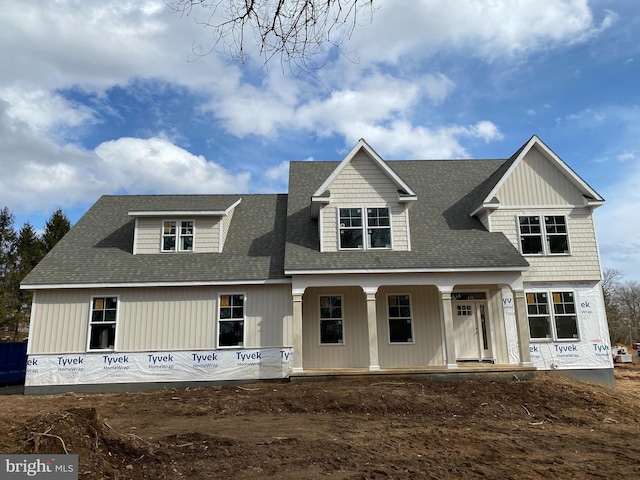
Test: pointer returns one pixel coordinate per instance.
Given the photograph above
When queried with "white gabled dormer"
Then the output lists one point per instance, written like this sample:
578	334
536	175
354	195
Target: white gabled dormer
363	205
167	230
546	210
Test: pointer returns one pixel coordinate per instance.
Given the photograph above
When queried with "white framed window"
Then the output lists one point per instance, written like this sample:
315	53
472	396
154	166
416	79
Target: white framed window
358	224
231	308
552	315
351	228
102	323
331	320
543	235
399	318
378	228
177	235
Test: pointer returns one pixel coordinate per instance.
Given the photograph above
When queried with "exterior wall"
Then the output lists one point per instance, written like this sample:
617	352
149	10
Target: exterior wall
592	349
171	318
149	234
354	352
427	349
582	263
537	181
363	184
225	224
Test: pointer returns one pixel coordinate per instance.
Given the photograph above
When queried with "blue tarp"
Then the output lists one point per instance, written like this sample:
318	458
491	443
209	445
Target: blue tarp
13	362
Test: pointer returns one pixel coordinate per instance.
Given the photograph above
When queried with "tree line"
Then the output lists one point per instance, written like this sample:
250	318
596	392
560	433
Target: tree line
20	252
622	304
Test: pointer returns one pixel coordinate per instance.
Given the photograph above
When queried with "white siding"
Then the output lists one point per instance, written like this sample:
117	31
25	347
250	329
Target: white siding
226	223
149	234
355	350
160	318
363	184
537	181
427	329
581	264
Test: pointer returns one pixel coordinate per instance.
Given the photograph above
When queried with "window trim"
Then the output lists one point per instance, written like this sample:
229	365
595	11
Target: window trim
552	315
544	236
364	227
244	319
92	323
389	318
178	235
320	319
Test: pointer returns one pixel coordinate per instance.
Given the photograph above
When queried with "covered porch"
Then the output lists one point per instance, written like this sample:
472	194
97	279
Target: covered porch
409	324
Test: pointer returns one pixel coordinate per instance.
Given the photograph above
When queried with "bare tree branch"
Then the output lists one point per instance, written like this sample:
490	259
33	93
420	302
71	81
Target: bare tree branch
297	31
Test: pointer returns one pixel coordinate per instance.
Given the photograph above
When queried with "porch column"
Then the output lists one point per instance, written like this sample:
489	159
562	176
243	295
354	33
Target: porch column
372	321
447	327
297	332
522	324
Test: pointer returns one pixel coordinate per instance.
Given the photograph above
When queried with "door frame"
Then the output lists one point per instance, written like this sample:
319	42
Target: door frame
482	325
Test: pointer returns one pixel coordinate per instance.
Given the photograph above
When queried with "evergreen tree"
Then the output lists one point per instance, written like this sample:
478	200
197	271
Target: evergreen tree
55	228
7	267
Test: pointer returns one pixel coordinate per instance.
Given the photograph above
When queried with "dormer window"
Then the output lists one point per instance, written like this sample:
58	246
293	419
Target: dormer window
356	224
350	228
177	235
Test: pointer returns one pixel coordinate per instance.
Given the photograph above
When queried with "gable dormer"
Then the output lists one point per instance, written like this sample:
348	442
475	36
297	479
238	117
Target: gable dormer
183	224
536	176
363	205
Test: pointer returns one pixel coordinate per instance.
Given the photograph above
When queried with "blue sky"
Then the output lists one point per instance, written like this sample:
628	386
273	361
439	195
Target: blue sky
99	98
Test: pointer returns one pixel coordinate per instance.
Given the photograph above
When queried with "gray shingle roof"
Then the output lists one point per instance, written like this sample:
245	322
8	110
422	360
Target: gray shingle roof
274	233
98	249
443	235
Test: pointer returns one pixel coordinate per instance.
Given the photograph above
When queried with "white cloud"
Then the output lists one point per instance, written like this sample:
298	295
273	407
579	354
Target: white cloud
278	173
438	87
490	30
156	165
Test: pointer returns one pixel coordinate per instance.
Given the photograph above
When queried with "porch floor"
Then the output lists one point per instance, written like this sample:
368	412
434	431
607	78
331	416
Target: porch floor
465	371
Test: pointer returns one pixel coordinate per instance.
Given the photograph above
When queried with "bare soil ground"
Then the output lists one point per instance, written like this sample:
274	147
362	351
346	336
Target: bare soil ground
374	428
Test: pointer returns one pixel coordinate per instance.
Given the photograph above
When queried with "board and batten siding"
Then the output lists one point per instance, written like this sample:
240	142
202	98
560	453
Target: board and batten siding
583	261
362	183
149	234
426	349
163	318
538	181
354	352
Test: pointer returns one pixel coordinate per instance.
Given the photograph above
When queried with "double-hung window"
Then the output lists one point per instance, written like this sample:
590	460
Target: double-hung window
400	324
177	235
331	320
231	320
552	316
543	235
358	224
102	325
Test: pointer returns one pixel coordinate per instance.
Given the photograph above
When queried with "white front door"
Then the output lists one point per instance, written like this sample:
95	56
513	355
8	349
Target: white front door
468	330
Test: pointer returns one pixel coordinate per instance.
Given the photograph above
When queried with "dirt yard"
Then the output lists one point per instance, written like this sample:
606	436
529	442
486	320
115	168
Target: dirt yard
378	428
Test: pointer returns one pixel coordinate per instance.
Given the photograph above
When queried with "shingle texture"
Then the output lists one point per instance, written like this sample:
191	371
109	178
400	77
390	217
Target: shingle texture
98	249
443	235
274	233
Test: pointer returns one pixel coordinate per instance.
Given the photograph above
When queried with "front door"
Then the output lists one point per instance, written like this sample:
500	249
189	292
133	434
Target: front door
470	330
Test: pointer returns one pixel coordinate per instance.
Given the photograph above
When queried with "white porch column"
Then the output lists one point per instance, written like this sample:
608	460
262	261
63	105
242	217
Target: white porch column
522	324
447	327
297	331
372	321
